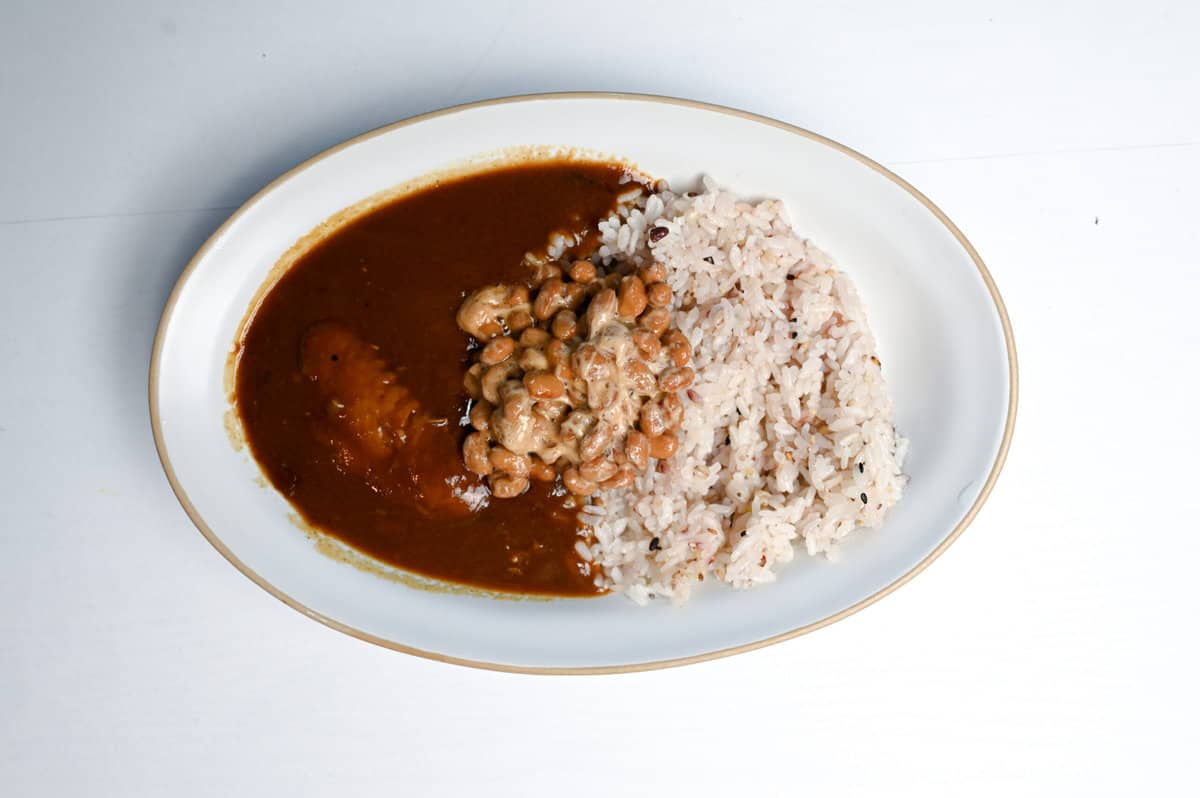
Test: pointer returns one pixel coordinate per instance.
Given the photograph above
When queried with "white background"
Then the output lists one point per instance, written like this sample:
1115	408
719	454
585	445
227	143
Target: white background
1050	651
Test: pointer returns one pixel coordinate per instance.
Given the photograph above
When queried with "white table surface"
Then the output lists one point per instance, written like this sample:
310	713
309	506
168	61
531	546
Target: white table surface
1052	650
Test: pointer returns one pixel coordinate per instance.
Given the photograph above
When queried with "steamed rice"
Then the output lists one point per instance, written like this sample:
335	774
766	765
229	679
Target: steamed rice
788	433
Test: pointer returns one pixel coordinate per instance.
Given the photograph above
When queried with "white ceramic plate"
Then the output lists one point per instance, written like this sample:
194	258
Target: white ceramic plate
943	334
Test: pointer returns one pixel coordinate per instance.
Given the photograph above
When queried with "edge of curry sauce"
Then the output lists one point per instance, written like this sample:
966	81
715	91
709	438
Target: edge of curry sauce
324	542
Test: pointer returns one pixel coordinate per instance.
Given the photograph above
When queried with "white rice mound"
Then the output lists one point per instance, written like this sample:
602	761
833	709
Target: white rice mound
788	433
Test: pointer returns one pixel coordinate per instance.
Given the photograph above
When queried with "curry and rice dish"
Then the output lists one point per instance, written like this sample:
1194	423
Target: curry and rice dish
562	378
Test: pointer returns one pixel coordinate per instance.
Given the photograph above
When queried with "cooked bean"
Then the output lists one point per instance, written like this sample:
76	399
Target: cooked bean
654	273
543	385
513	409
494	377
475	454
511	463
631	298
577	484
652	419
637	449
480	415
678	347
576	293
622	479
482	312
647	344
600	312
583	271
497	351
508	487
676	379
545	271
552	298
542	471
556	352
533	360
565	325
663	446
656	320
658	295
598	470
672	411
534	336
596	442
640	376
519	320
471	381
551	411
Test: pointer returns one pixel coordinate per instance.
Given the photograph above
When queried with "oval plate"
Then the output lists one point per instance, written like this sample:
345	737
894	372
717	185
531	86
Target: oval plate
943	335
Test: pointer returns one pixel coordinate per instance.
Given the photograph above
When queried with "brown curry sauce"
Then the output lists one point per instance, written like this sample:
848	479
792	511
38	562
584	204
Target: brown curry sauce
349	378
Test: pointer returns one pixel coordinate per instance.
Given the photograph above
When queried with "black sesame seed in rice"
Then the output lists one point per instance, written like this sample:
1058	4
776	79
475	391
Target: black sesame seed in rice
863	496
860	468
709	259
654	544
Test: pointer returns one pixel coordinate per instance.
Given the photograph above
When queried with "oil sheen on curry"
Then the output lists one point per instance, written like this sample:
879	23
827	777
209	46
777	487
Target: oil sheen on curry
350	379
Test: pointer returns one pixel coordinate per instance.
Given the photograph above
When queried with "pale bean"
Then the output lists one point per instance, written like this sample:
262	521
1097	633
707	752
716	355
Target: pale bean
637	449
543	385
596	442
656	320
676	379
565	325
640	376
497	351
598	470
494	377
652	420
475	454
508	486
583	271
510	463
575	483
663	446
658	295
533	360
480	415
631	298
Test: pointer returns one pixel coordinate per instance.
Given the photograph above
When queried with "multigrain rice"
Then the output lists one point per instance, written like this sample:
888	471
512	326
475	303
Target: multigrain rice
788	436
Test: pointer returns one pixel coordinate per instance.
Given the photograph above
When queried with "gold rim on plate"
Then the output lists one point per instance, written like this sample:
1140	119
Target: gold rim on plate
966	520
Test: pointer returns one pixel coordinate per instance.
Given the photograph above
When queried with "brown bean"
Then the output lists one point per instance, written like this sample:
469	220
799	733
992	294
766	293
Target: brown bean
600	311
517	295
508	486
631	298
637	449
519	320
658	295
565	325
551	411
656	320
622	479
556	352
480	415
550	299
654	273
534	336
676	379
576	293
596	442
672	411
678	347
533	359
647	344
545	271
543	385
494	377
598	470
472	383
575	483
511	463
663	446
583	271
497	351
475	454
542	471
640	376
652	419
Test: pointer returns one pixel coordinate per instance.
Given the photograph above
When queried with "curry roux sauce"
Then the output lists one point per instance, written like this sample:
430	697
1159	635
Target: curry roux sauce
394	279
